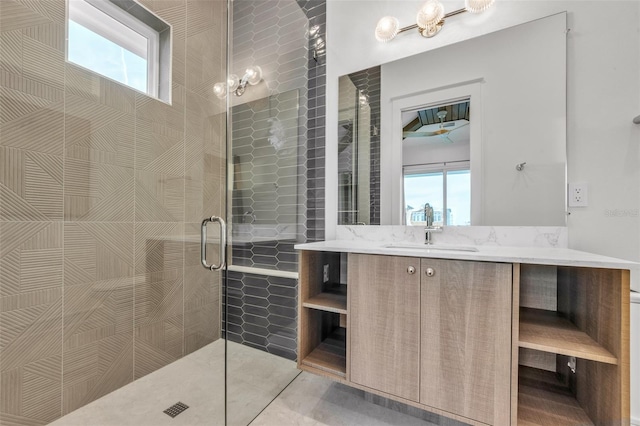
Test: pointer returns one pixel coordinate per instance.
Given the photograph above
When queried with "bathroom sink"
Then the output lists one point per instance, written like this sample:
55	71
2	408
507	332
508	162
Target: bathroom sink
417	246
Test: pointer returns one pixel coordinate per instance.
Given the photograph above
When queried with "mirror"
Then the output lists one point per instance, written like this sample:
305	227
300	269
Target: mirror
436	166
503	153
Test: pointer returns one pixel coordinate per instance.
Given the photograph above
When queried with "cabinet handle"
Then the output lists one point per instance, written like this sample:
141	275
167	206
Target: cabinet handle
430	272
411	270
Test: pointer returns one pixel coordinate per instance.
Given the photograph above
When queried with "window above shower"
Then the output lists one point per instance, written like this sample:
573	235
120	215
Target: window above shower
122	41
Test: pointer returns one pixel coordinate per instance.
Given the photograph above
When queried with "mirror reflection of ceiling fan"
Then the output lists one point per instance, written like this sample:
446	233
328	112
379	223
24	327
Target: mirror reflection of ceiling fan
443	129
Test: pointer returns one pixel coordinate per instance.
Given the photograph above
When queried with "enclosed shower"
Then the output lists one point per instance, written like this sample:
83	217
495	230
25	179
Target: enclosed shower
113	150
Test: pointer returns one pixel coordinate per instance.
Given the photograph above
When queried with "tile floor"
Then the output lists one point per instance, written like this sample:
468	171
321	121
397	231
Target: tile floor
311	400
255	379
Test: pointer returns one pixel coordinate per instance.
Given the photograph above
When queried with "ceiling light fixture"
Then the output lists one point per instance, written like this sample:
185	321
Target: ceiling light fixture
429	20
252	76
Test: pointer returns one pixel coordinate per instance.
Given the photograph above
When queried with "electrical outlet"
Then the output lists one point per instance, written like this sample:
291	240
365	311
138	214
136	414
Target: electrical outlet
325	274
578	194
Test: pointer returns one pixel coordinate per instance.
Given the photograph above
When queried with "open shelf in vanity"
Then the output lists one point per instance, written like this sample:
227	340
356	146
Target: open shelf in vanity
550	331
322	334
544	400
330	355
333	298
580	314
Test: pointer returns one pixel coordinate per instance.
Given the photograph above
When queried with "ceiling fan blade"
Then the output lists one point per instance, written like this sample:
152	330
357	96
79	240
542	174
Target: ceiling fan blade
419	134
440	132
459	127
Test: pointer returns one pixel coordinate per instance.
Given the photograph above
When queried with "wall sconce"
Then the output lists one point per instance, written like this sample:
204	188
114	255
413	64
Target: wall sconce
429	20
252	76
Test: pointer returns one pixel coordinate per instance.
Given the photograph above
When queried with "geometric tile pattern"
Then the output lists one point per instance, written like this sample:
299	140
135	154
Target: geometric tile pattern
30	321
315	10
269	135
269	160
278	196
158	320
268	204
158	323
272	35
31	259
367	82
97	284
99	130
101	189
202	294
275	254
31	185
262	313
267	219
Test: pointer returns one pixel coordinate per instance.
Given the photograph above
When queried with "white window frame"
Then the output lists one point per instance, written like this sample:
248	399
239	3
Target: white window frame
123	29
443	168
392	210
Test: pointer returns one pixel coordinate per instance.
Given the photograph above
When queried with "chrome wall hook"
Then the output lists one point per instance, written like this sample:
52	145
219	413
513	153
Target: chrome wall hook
520	167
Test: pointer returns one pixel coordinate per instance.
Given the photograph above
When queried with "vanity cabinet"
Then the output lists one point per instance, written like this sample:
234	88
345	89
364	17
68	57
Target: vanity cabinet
484	342
384	323
433	331
465	338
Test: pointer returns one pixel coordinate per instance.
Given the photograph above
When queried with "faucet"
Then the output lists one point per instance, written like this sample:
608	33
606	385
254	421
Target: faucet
428	217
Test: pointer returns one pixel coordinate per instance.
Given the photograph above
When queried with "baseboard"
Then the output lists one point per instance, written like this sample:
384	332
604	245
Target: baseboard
635	421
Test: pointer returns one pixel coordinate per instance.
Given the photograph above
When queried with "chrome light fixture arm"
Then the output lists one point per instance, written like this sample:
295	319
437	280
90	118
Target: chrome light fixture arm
429	32
252	76
429	21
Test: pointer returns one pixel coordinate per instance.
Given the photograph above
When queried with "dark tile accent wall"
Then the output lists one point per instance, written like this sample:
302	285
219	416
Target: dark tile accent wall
269	181
368	82
278	255
268	219
316	13
262	313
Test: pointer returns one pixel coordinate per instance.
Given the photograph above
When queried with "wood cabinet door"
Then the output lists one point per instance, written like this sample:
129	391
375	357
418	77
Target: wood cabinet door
384	323
466	338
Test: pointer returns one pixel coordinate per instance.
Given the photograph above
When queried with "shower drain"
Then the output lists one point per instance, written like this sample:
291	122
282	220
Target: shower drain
175	409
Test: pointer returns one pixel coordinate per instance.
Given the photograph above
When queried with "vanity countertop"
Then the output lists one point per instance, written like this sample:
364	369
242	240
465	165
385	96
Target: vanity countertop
530	255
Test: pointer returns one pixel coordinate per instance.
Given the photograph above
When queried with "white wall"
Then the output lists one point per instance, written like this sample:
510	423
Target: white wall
603	96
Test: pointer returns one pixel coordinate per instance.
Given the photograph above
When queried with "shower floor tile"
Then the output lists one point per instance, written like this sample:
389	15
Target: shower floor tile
197	380
255	378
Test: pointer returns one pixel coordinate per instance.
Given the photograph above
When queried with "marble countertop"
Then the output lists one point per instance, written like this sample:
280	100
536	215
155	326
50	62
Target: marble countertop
530	255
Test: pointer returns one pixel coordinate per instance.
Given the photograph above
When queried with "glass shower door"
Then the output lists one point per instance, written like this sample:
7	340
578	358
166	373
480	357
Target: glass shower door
103	189
267	202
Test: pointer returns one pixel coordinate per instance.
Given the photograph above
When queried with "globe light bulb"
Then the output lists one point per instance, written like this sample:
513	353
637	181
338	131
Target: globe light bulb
253	75
477	6
387	29
430	14
233	81
220	90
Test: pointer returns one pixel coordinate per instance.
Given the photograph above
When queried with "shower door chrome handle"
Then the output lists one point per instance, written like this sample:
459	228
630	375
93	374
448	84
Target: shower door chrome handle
203	242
